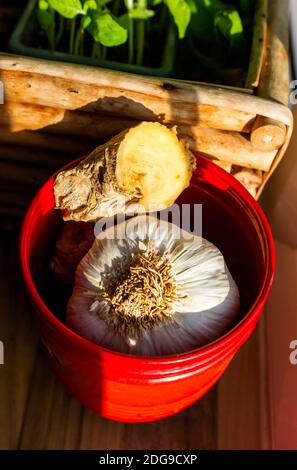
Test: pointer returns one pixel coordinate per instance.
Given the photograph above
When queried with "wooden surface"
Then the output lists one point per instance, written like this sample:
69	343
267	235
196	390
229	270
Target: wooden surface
37	413
281	328
258	46
281	323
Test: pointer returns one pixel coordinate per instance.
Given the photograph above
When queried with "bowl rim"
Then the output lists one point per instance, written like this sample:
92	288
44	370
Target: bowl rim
225	342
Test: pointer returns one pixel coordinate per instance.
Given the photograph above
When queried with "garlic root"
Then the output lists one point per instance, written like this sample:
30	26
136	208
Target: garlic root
142	169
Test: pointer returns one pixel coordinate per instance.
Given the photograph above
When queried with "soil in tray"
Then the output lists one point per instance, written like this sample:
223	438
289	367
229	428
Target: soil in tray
189	67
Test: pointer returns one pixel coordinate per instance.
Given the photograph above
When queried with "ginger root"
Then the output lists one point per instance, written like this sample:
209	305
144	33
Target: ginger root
142	169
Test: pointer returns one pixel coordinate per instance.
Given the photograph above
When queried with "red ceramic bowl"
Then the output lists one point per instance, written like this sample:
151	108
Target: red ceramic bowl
130	388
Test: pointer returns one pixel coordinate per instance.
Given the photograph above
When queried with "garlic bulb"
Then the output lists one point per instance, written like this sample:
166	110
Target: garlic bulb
156	290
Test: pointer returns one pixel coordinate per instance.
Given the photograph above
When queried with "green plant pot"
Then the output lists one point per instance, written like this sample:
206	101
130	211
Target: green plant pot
24	31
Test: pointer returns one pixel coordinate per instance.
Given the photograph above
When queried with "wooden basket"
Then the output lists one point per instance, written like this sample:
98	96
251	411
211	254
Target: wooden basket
54	112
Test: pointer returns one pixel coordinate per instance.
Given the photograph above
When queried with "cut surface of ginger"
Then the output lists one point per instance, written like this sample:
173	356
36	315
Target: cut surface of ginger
153	160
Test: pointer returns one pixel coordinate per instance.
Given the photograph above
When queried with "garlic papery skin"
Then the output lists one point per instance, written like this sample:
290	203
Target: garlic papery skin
202	298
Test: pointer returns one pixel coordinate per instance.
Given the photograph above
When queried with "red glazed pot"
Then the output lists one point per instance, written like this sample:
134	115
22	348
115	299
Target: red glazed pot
136	389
